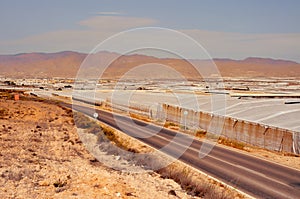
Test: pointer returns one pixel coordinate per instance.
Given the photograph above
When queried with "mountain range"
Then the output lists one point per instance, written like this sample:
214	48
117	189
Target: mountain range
67	64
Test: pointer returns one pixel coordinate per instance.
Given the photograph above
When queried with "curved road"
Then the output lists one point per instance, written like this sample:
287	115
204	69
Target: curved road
254	176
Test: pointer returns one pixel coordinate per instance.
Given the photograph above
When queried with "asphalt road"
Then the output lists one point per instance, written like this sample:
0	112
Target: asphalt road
254	176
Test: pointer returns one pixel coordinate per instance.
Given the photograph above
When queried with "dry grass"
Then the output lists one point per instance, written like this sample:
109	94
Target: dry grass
195	184
232	143
201	133
290	154
103	134
139	117
170	124
3	112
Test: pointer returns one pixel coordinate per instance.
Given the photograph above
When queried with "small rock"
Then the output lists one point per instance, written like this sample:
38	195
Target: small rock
129	194
172	192
60	189
44	183
118	194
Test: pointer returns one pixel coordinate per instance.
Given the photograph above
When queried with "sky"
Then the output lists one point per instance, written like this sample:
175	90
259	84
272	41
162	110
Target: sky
226	29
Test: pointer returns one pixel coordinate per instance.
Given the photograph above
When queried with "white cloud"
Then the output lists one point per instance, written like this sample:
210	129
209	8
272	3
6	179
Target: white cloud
108	13
116	22
92	31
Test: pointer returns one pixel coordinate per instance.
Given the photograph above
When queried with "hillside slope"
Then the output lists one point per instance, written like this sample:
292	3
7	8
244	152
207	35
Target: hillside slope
67	63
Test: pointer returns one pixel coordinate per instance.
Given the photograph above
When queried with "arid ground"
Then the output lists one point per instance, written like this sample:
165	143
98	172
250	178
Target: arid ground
41	156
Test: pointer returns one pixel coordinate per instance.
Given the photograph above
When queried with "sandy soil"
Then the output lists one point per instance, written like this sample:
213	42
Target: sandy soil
280	158
41	156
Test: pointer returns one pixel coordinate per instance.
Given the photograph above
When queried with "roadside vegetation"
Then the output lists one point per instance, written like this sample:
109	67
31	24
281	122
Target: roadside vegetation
103	134
195	184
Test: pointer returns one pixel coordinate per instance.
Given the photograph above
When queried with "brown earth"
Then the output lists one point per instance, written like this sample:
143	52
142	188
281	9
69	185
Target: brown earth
41	156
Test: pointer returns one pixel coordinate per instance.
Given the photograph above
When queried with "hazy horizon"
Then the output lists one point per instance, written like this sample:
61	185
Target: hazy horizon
213	58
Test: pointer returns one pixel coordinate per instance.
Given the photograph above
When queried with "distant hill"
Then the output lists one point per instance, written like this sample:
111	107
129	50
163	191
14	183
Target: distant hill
64	64
67	63
258	67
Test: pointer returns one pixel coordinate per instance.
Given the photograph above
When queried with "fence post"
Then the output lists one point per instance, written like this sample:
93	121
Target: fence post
264	134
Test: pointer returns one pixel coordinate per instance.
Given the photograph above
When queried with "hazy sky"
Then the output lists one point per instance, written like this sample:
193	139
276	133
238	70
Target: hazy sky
231	28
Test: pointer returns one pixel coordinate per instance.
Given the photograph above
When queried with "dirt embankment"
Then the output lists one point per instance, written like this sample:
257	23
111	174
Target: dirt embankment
41	156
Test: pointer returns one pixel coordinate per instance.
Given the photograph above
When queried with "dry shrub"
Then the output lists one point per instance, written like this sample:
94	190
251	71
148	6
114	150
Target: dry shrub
232	143
170	124
82	121
104	133
139	117
190	181
3	112
201	133
94	130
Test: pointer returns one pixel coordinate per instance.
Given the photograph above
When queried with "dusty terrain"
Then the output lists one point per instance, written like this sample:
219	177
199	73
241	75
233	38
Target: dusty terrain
289	160
41	156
